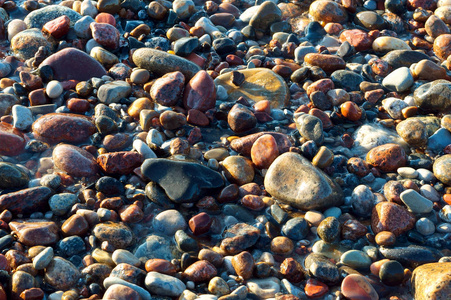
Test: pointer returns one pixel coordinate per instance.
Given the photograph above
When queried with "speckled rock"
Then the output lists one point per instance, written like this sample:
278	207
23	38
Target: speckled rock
387	158
433	96
432	281
74	160
442	168
26	43
37	18
61	274
389	216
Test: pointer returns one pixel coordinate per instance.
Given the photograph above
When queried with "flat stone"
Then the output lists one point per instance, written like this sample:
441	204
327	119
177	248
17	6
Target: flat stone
37	18
182	181
259	84
290	174
432	281
164	285
113	92
33	232
355	286
74	160
26	201
239	237
415	202
411	256
322	268
61	274
400	80
71	63
403	58
118	234
160	62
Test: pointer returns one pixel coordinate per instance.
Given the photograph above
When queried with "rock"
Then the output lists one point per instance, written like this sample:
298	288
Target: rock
160	63
164	285
75	225
389	216
156	247
400	80
121	292
428	70
238	169
329	229
161	266
411	256
388	43
431	281
109	6
347	80
357	38
61	274
328	63
37	18
310	128
356	259
387	158
20	282
26	201
114	91
110	281
12	176
42	260
328	12
61	203
200	271
169	221
200	92
287	176
243	264
403	58
105	34
26	43
264	151
74	160
244	145
259	84
168	89
441	169
433	96
58	27
322	268
442	46
239	237
71	63
186	188
370	20
218	286
123	162
118	234
415	202
355	286
104	57
241	119
413	131
12	142
264	288
6	103
266	14
33	232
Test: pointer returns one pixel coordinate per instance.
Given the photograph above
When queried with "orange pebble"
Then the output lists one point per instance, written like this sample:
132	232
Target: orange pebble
106	18
447	198
263	106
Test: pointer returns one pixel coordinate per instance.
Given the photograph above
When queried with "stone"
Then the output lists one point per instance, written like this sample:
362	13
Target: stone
329	229
121	292
75	225
218	286
164	285
264	288
105	34
244	145
400	80
356	259
12	142
310	128
266	14
387	158
357	38
160	63
118	234
239	237
431	281
33	232
169	221
355	286
61	274
442	46
328	12
415	202
347	80
20	282
58	27
241	119
441	169
123	162
389	216
238	169
433	96
264	151
26	43
200	271
110	281
411	256
61	203
71	63
12	176
428	70
328	63
26	200
315	288
287	176
391	273
113	92
413	131
322	268
74	160
161	266
403	58
37	18
386	44
42	260
6	103
168	89
259	84
243	264
186	188
200	92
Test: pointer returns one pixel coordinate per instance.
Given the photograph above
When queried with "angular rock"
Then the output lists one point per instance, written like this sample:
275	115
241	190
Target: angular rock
113	92
74	161
26	201
33	232
389	216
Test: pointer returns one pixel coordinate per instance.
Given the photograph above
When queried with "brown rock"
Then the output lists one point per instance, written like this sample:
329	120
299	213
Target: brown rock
282	245
78	105
129	273
432	281
200	92
58	27
74	161
32	294
26	201
323	85
389	216
121	292
200	271
172	120
387	158
359	39
200	223
34	232
442	46
118	234
353	230
168	89
393	190
435	27
61	274
328	12
385	238
123	162
138	105
243	264
62	127
12	142
96	272
241	119
238	169
264	151
75	225
161	266
239	237
196	117
292	270
327	62
244	145
215	258
105	34
115	142
351	111
131	213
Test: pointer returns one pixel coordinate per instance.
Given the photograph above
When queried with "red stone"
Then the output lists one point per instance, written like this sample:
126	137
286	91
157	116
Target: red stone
195	136
196	117
161	266
244	145
315	288
30	81
75	225
292	270
389	216
4	264
387	158
200	92
78	105
351	111
359	39
327	62
168	89
119	162
26	201
105	34
74	161
58	27
200	223
12	142
35	232
356	286
107	18
62	127
253	202
325	119
264	151
131	213
323	85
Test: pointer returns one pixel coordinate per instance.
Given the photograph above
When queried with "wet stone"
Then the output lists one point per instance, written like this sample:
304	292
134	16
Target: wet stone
117	234
34	232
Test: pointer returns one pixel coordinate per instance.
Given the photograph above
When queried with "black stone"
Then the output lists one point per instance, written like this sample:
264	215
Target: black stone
411	256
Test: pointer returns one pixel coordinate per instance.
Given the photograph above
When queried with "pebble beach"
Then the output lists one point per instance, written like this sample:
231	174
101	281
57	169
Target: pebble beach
225	150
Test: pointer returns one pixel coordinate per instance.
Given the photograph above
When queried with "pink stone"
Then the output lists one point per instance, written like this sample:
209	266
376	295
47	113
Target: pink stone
200	92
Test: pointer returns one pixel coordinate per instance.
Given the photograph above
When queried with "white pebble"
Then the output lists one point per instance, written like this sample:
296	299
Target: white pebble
54	89
407	172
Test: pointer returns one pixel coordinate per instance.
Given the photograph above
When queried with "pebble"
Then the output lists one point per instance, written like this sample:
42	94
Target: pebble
164	285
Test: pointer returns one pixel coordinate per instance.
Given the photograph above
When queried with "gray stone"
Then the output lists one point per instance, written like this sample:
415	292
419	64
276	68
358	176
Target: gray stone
322	268
425	226
82	28
160	62
356	259
415	202
113	92
311	128
6	103
347	80
37	18
292	179
157	247
169	221
12	176
411	256
442	169
61	203
164	285
42	260
439	140
433	97
403	58
61	274
400	80
182	181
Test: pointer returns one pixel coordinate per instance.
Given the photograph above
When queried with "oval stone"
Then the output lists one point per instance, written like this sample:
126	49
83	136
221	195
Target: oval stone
74	160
